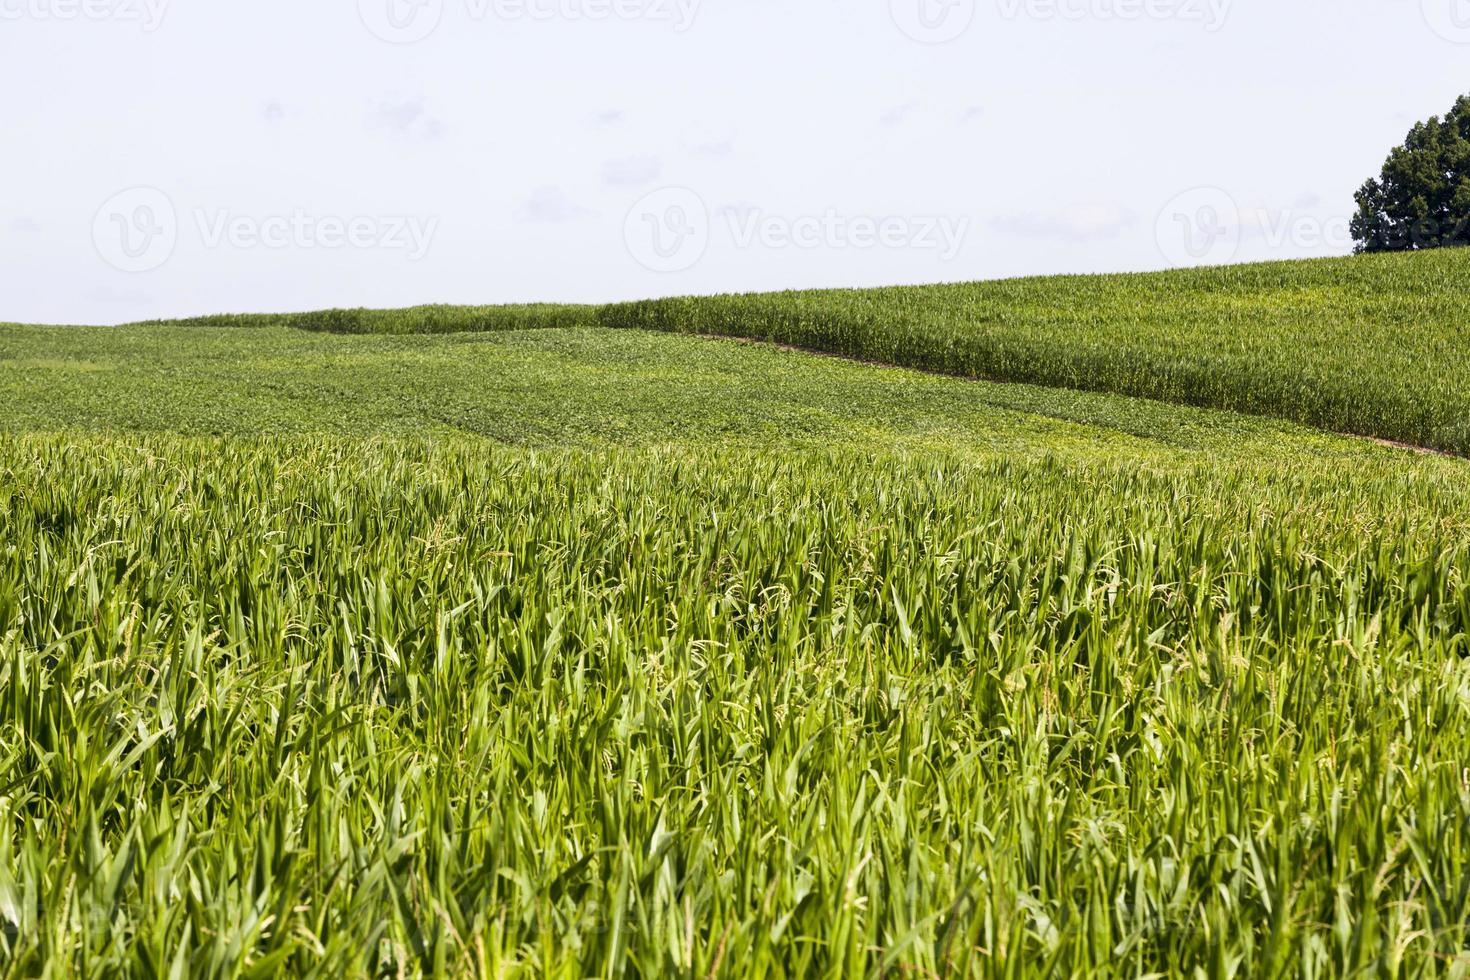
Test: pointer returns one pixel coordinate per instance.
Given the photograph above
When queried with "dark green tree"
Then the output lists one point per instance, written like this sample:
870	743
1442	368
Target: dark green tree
1422	198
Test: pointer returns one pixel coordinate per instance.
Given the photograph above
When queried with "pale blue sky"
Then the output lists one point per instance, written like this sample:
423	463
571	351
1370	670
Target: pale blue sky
294	159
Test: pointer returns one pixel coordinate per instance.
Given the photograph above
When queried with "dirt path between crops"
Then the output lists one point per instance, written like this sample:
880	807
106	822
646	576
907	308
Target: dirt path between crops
797	349
1407	446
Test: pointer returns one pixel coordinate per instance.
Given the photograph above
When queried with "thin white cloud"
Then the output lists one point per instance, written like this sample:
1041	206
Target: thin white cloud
550	205
1078	223
898	115
631	172
112	295
405	117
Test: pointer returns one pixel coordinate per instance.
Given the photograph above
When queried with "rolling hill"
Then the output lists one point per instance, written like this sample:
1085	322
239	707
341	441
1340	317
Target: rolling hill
558	641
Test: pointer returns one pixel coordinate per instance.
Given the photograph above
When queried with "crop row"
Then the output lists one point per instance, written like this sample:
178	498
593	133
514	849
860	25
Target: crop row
411	320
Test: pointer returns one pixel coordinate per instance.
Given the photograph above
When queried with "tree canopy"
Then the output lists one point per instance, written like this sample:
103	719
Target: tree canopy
1422	198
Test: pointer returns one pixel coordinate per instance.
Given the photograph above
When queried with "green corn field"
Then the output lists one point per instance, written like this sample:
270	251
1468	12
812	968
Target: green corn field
546	645
1372	345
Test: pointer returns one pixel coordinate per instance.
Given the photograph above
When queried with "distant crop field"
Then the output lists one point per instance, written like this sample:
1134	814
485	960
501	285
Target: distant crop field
1373	345
561	650
554	387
